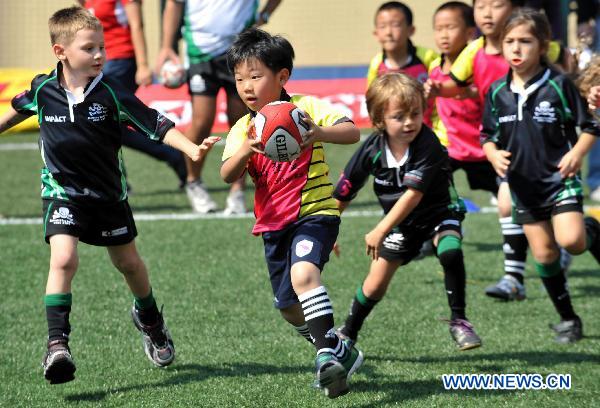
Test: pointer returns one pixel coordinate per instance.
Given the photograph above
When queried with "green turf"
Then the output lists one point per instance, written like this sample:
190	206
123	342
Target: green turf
233	349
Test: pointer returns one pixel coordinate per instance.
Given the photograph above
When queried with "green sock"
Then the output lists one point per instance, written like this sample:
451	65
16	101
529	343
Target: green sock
146	302
58	299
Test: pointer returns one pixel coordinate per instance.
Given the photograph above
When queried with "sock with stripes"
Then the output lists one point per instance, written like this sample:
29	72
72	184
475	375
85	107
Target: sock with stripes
58	308
304	332
359	310
318	314
514	248
556	285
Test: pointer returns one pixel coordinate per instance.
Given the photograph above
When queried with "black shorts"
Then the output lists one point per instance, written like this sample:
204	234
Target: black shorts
206	78
403	243
308	239
480	175
101	225
522	215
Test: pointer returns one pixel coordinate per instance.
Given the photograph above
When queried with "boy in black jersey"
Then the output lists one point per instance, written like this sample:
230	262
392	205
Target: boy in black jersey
413	182
83	186
529	136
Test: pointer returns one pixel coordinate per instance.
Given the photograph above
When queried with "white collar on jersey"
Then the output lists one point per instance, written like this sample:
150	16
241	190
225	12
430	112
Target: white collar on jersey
524	94
391	160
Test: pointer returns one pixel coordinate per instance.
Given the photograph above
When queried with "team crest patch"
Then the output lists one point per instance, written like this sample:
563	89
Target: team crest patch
303	248
544	113
97	112
62	216
197	84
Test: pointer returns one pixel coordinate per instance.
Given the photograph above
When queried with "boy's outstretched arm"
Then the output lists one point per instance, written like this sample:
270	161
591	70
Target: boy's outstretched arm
10	119
403	207
341	133
448	89
176	139
233	168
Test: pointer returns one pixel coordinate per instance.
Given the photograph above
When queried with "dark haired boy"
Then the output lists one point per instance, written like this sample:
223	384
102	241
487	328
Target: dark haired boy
296	214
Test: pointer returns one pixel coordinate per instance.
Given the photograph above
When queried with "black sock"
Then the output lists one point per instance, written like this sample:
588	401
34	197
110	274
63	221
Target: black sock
451	259
318	314
556	286
147	310
359	310
514	248
58	308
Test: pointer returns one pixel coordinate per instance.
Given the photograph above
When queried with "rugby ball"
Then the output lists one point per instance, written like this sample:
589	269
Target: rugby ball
281	130
172	75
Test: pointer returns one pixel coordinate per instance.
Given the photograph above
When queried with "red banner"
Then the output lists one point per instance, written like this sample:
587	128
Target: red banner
347	95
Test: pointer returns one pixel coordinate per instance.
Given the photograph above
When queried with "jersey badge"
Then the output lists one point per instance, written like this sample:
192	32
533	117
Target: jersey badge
97	112
544	113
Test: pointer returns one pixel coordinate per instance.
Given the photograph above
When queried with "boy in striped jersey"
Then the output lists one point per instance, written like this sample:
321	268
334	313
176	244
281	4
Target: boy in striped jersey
393	29
84	193
295	212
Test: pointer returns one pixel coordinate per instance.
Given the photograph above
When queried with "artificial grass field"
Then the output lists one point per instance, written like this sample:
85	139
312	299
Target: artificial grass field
233	348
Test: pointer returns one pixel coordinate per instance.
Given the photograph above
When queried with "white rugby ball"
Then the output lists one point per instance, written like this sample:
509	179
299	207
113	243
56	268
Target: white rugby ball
172	75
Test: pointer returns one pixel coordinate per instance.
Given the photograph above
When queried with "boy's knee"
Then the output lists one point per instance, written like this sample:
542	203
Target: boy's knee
304	275
574	246
449	251
66	261
128	265
545	255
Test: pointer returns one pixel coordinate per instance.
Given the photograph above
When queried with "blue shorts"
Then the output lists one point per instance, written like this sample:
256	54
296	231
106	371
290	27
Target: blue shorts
309	239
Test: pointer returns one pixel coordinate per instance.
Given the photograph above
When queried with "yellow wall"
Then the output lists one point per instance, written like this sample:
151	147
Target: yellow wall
323	32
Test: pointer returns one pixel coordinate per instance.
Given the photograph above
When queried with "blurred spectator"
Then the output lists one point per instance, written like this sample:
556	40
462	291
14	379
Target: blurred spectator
210	28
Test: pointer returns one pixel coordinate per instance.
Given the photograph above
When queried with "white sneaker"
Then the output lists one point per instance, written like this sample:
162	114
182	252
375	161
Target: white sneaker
595	194
236	203
199	197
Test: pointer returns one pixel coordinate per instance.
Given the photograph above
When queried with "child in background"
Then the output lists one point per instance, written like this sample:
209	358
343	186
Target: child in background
393	29
295	212
457	120
529	136
413	183
588	83
81	115
594	97
478	65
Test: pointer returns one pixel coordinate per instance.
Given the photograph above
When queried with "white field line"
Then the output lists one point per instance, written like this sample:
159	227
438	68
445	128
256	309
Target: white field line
211	216
11	147
221	216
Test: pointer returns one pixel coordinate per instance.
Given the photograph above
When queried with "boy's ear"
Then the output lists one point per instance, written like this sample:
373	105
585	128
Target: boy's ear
59	51
471	33
284	76
411	30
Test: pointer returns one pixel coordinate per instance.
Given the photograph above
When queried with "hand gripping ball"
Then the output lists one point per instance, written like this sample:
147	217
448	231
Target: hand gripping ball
280	128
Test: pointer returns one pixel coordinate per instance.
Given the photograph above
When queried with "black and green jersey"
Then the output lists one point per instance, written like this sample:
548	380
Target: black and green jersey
425	167
80	137
538	127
